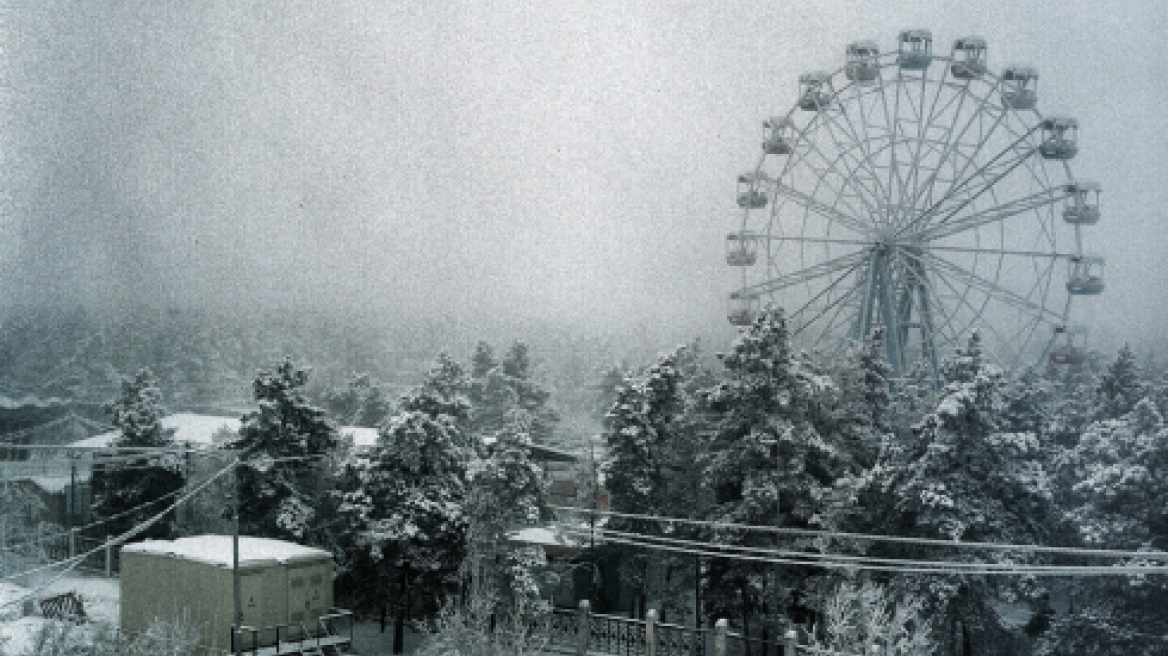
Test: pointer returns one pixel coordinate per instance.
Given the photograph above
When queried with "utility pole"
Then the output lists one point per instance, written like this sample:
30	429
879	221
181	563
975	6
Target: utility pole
236	637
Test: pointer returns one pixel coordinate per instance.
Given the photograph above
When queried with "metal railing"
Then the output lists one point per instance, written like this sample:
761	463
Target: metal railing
294	637
615	635
580	632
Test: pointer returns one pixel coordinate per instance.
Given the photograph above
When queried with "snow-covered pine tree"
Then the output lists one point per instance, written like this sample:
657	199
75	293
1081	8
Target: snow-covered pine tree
498	388
962	478
1113	489
1119	389
408	500
1025	404
284	445
506	492
123	482
768	464
361	402
655	439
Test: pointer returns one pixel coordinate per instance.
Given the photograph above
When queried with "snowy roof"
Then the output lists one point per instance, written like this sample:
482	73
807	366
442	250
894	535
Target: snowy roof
56	484
196	429
217	550
188	429
363	438
7	403
553	542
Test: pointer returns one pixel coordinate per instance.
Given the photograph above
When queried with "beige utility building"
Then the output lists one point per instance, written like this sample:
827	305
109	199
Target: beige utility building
286	590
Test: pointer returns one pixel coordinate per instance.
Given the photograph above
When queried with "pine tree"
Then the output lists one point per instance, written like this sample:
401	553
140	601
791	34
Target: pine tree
655	439
361	402
1113	490
284	445
126	484
408	498
497	389
506	492
961	477
768	463
1120	388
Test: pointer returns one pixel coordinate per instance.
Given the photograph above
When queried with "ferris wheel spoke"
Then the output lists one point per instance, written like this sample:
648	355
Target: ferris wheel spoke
895	180
845	176
989	175
977	314
991	215
988	287
822	209
849	131
818	240
826	290
996	251
923	125
803	275
952	145
836	308
856	165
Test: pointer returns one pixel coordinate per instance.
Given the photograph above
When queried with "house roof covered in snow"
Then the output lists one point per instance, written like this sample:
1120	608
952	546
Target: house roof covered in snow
188	429
217	550
199	430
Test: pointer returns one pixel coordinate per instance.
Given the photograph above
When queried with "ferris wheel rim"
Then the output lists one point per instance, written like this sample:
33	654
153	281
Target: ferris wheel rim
842	216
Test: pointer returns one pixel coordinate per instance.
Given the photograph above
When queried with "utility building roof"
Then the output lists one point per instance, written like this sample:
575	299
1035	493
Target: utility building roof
217	550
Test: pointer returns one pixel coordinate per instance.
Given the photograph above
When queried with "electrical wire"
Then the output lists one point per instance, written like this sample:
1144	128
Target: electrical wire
73	562
1067	571
813	533
52	536
810	558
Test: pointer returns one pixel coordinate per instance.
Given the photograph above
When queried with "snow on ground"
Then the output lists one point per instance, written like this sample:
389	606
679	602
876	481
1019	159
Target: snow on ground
99	595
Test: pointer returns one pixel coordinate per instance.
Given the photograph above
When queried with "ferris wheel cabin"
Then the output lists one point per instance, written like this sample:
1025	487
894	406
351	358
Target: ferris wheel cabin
741	249
815	91
1086	276
1060	138
969	58
1020	87
862	65
1081	205
743	309
750	197
1069	349
916	50
778	135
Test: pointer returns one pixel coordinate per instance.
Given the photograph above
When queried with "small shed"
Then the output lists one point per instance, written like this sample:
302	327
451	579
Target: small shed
283	585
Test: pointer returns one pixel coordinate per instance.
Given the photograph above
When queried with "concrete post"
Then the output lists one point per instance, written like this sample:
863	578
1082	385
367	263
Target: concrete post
790	640
109	558
72	542
651	633
720	629
583	636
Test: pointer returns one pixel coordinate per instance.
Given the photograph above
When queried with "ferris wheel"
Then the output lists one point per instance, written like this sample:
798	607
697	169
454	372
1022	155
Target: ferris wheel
924	196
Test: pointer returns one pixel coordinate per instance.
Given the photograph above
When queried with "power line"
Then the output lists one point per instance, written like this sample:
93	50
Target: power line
827	559
1069	571
813	533
52	536
73	562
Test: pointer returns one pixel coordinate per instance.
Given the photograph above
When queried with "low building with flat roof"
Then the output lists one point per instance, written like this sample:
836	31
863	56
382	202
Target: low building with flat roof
287	592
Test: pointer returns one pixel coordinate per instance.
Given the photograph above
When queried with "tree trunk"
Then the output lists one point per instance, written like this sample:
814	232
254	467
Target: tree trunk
399	625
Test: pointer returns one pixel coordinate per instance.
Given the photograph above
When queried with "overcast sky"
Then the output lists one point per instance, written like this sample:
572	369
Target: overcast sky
572	160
